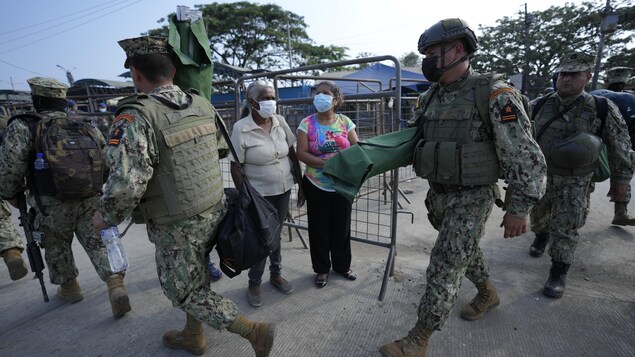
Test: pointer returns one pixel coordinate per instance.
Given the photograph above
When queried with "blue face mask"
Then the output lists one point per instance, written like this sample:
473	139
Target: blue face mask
323	102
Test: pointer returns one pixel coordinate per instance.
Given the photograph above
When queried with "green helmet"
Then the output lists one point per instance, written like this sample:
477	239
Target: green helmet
578	152
446	31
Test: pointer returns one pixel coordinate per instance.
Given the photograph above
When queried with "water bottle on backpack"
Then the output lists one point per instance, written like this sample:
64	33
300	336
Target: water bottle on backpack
40	162
116	255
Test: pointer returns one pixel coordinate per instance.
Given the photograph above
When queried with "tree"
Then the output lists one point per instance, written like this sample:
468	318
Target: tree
554	32
257	36
411	59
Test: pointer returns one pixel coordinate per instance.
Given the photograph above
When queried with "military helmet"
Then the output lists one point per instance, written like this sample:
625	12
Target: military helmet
578	152
446	31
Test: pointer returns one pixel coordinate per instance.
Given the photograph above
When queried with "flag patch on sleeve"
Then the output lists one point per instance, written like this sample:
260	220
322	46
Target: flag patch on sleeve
508	114
115	137
127	117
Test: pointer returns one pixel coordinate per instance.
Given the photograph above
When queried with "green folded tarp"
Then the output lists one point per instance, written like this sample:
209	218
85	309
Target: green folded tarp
194	65
349	168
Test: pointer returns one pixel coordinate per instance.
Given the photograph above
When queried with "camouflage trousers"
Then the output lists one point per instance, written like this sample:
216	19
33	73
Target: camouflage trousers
63	220
456	253
181	259
9	237
561	212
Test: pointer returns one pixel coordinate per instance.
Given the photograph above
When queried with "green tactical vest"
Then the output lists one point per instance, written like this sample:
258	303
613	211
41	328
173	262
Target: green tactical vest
560	129
187	181
447	154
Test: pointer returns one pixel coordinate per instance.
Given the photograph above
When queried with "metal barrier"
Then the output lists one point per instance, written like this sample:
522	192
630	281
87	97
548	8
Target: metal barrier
374	215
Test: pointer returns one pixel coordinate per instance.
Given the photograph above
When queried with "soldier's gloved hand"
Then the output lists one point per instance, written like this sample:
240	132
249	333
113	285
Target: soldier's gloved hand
514	225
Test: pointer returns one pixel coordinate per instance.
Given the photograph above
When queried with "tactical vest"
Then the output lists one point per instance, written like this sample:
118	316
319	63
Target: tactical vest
560	129
447	154
187	180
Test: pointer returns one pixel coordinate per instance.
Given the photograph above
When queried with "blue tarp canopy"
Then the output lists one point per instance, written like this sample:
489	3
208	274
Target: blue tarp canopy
385	74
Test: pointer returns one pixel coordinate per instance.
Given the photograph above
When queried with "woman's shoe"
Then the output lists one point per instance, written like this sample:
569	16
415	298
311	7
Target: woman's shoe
321	282
350	275
253	296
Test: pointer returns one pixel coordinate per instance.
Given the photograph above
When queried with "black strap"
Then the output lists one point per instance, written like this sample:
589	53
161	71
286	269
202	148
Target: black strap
219	120
602	109
558	115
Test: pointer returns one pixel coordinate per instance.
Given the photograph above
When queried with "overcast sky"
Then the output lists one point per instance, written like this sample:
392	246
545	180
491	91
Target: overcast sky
37	36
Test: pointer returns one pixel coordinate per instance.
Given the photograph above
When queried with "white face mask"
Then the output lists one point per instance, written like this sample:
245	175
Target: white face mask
267	108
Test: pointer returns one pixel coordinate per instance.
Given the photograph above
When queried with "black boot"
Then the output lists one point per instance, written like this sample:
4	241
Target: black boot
537	248
554	287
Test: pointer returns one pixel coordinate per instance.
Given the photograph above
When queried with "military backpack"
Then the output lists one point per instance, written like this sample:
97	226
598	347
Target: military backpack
73	153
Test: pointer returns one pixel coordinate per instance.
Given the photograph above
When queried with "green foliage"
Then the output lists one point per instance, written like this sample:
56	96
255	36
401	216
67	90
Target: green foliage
553	33
257	36
411	59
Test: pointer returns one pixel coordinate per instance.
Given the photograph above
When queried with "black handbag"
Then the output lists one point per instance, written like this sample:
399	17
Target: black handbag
247	234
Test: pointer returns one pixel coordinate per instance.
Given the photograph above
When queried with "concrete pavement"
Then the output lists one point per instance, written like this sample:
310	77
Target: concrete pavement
596	316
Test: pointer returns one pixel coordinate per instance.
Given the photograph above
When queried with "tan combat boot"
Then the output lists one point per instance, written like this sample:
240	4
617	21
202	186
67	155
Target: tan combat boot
70	292
413	345
119	301
486	299
191	339
259	334
621	215
15	263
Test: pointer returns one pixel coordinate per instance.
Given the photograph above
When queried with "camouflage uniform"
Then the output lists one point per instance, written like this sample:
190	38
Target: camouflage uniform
62	218
462	214
9	237
564	208
181	247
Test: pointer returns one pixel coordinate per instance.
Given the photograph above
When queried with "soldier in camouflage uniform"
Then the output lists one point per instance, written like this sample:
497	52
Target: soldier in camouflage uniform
11	245
563	209
57	219
163	154
615	81
463	191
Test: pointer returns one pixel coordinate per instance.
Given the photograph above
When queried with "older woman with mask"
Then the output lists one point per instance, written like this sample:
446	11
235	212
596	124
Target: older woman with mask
264	144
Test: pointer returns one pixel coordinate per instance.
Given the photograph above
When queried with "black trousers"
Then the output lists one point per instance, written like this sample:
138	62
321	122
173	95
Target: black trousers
329	218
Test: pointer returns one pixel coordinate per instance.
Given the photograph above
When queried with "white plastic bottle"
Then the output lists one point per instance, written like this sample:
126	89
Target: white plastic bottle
116	255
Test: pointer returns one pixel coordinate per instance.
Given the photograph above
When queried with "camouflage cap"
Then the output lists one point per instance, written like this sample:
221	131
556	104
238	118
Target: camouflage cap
618	74
47	87
144	45
576	62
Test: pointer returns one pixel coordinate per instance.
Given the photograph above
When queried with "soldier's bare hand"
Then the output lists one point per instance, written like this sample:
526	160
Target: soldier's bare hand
514	225
98	223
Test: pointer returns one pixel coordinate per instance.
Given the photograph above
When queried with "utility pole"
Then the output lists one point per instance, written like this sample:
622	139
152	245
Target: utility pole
608	25
289	45
529	19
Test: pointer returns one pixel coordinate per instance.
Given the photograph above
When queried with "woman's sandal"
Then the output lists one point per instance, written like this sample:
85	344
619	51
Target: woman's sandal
321	282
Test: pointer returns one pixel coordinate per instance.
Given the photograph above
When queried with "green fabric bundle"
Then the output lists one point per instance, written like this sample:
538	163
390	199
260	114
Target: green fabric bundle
350	168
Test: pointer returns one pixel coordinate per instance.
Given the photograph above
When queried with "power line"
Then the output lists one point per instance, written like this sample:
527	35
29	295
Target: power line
101	6
38	32
68	29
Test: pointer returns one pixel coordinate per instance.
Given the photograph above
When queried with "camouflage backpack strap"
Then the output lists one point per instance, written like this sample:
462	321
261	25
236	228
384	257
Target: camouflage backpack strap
483	89
32	120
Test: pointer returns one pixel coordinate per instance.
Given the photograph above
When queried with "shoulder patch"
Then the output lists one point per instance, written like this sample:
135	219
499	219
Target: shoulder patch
508	114
127	117
499	91
115	137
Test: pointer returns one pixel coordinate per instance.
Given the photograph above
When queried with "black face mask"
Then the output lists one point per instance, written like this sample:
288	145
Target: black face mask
430	69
